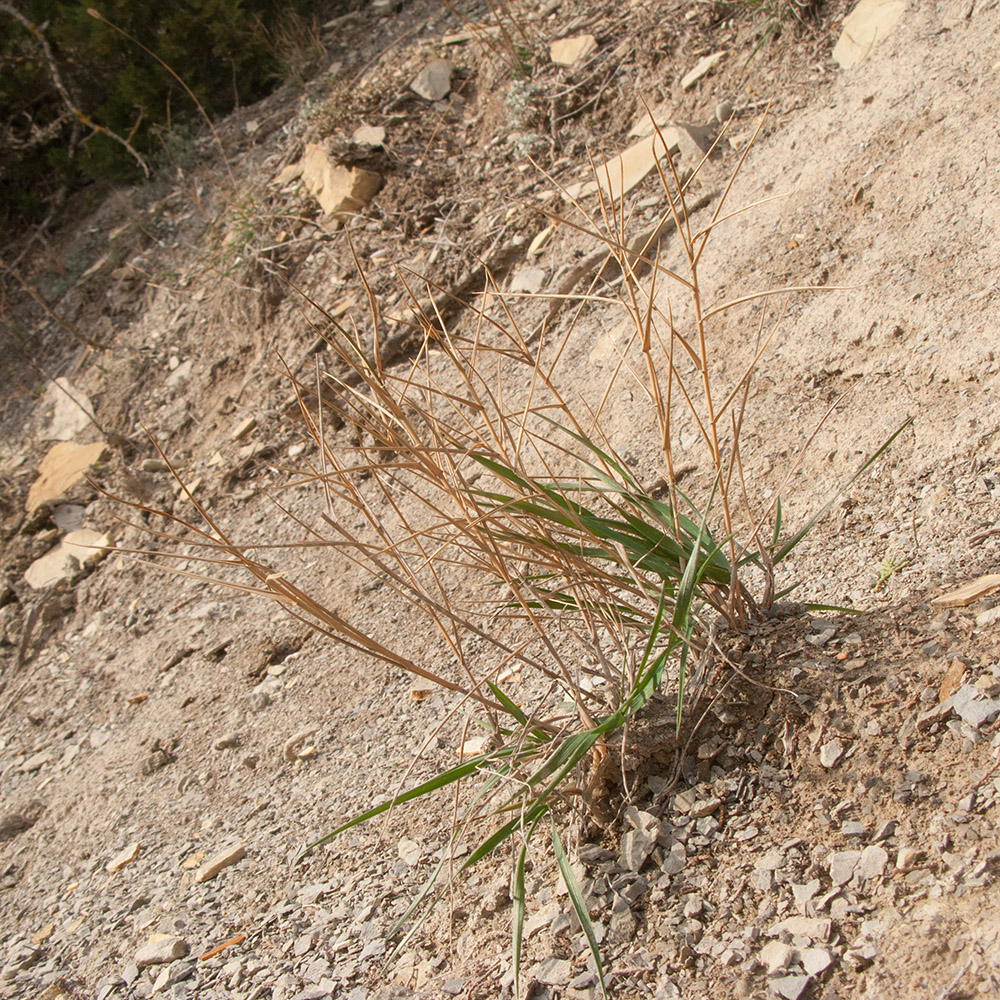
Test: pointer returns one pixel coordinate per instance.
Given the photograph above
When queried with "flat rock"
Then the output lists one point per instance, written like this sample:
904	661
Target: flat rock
213	866
872	862
636	847
433	82
530	280
121	859
675	860
77	549
63	467
72	410
552	971
161	948
368	135
340	190
777	956
968	593
830	753
410	851
567	51
790	987
814	928
815	960
864	28
701	68
842	866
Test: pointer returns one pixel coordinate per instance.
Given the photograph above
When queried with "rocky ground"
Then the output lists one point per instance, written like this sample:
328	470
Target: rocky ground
830	827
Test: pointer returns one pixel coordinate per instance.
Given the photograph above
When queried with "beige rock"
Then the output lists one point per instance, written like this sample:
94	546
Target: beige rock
864	28
243	428
539	242
161	948
434	81
340	190
121	859
213	866
86	545
72	410
76	549
567	51
369	135
702	68
620	174
63	466
968	593
290	173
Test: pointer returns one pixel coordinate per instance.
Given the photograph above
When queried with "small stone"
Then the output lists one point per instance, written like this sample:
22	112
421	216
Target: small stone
567	51
552	972
884	831
340	190
161	948
228	742
777	956
842	866
368	135
529	280
702	68
302	945
723	112
123	858
410	851
243	428
851	828
790	987
907	858
685	800
675	860
704	807
433	82
803	893
815	960
813	928
452	987
830	753
872	862
213	866
636	847
762	879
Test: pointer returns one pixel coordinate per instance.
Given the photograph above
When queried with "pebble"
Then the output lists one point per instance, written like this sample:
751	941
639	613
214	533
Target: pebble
813	928
704	807
434	81
675	860
815	960
636	846
830	753
872	862
213	866
160	948
842	866
228	742
723	112
777	956
790	987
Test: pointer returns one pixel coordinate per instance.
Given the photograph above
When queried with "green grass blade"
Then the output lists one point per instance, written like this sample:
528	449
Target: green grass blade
517	928
512	707
579	905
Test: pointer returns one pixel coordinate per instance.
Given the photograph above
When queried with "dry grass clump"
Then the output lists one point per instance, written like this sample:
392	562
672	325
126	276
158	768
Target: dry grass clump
486	494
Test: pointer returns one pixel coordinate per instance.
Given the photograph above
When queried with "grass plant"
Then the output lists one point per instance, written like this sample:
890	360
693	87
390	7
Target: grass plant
488	496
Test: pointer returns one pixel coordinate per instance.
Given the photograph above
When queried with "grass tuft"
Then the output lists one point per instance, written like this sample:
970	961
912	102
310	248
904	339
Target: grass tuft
490	499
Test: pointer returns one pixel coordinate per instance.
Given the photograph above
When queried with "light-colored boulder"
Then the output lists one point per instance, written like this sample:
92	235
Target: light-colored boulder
340	190
567	51
65	465
864	28
433	82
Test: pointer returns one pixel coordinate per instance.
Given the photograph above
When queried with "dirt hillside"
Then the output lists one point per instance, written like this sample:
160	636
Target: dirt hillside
167	745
